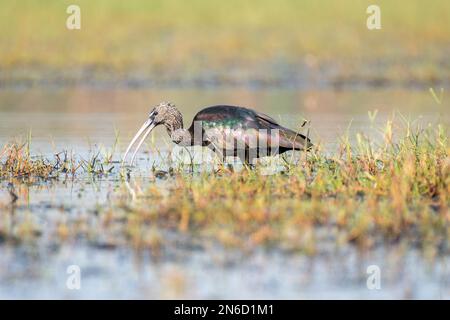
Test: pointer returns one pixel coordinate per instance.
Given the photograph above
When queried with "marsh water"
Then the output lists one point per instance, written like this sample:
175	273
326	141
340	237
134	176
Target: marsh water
85	120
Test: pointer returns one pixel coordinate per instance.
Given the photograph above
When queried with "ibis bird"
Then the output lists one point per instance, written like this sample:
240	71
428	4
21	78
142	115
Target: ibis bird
227	130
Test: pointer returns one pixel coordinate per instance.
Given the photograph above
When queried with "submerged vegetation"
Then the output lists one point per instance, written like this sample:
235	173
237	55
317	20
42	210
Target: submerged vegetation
366	193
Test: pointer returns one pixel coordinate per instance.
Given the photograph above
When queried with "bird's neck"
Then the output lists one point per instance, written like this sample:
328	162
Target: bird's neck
181	137
173	124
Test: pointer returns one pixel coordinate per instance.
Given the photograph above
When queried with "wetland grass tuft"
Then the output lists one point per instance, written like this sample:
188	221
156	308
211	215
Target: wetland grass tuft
17	162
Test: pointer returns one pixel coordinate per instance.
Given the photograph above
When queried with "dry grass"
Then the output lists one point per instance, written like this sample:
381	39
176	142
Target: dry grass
18	163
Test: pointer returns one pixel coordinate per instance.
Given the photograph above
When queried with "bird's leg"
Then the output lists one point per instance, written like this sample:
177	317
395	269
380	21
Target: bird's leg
221	156
245	159
249	165
224	167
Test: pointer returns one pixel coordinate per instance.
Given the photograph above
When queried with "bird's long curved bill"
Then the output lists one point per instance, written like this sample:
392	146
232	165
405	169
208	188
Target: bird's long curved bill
147	127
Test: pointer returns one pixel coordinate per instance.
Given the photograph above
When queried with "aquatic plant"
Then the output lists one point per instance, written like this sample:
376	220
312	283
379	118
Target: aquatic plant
18	162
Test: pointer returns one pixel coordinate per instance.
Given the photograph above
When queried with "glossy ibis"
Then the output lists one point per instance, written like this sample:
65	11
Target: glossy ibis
227	130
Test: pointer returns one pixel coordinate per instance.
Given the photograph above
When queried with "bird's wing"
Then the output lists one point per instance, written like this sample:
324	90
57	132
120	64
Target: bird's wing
237	121
288	139
265	117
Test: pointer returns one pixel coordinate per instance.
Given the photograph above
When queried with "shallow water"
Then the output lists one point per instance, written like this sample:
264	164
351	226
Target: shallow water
84	120
80	119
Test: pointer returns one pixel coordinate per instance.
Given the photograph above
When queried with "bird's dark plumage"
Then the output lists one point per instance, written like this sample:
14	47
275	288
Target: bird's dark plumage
227	130
233	118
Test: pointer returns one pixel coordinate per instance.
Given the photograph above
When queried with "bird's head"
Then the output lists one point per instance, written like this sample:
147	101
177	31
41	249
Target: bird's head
164	113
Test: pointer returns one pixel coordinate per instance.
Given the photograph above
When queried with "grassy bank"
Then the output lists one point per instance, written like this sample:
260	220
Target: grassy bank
227	40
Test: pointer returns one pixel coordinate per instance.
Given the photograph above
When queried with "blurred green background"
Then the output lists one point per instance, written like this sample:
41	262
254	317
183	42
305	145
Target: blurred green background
226	40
